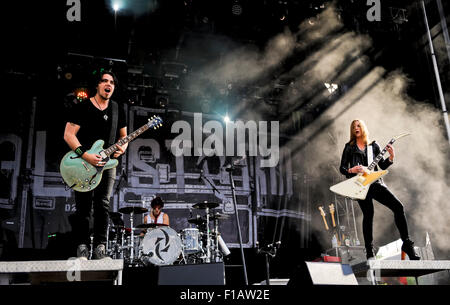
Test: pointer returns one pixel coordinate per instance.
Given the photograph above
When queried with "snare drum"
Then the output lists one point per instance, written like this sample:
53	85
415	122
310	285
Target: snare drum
190	240
161	246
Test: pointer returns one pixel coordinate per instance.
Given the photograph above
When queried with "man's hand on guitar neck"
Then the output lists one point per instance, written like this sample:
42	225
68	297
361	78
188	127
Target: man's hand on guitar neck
93	159
120	150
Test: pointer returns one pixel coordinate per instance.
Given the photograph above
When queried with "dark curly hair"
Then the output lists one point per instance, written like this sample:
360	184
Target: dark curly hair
157	201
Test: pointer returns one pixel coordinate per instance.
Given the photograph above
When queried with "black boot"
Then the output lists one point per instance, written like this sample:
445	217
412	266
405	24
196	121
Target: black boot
408	248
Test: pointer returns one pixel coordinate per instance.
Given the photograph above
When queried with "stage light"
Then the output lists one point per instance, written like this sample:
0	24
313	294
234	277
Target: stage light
331	87
81	94
116	7
226	119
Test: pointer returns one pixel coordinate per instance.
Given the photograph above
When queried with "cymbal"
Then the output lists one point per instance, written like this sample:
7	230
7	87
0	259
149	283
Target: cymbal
116	218
197	221
115	214
205	204
150	225
135	210
219	216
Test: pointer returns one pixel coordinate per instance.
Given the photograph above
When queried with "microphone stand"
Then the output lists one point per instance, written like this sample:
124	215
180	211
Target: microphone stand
209	182
269	250
123	175
230	170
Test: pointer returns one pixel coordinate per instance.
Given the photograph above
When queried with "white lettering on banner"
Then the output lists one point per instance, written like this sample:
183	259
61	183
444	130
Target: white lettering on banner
39	188
136	159
374	13
74	12
213	144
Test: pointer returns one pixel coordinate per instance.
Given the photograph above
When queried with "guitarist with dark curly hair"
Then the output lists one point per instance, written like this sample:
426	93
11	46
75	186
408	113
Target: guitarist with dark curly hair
96	118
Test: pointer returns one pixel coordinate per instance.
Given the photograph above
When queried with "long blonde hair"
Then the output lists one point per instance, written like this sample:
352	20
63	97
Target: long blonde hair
364	132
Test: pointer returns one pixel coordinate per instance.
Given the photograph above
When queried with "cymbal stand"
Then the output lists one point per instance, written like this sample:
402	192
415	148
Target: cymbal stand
122	243
216	243
131	245
208	238
233	192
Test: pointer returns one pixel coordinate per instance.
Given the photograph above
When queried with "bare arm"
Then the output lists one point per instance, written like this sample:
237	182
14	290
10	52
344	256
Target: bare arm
70	135
166	219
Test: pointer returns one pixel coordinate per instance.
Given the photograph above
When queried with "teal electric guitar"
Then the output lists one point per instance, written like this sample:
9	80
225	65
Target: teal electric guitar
81	176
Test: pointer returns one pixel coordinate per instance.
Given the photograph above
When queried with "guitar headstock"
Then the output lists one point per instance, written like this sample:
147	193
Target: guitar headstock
401	136
155	122
322	212
331	208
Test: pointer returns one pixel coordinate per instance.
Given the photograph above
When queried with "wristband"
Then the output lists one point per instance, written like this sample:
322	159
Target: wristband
80	150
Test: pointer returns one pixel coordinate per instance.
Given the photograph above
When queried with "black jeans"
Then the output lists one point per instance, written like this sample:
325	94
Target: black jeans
98	199
381	193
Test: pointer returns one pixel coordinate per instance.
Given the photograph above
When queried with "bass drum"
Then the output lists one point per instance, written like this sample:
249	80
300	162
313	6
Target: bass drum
161	246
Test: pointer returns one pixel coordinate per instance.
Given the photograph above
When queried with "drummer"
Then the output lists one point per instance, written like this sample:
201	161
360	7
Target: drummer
156	215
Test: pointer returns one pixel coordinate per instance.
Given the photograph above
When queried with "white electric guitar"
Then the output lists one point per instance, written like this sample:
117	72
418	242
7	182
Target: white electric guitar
358	186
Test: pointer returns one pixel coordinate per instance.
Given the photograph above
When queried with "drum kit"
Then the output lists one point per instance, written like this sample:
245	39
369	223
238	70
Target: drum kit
158	244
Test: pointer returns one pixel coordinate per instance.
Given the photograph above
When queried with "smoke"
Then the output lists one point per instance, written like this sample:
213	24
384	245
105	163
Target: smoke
418	177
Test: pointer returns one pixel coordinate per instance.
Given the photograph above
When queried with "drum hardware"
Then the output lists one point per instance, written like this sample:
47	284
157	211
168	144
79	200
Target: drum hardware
161	246
197	221
133	210
205	205
150	225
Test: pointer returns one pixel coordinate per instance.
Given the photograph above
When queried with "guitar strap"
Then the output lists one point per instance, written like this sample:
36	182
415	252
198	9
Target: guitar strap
369	154
115	118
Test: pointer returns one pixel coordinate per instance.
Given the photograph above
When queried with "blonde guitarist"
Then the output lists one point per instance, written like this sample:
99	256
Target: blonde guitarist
354	159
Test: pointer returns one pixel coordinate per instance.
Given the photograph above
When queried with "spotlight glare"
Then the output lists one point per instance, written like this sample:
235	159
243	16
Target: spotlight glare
115	7
331	87
226	119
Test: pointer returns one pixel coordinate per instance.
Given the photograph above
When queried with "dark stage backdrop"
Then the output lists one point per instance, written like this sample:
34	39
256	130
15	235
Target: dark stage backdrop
272	201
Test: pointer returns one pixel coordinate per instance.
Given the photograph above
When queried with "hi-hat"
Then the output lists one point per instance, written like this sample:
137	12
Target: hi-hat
135	210
196	221
205	204
219	216
150	225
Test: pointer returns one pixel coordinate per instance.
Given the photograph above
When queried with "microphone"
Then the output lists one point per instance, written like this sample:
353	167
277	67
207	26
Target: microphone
201	175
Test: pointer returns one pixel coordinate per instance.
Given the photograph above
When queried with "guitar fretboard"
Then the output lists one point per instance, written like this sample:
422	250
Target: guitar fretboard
379	156
113	148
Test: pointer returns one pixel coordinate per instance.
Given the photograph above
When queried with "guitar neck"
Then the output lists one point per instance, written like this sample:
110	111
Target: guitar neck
380	156
112	149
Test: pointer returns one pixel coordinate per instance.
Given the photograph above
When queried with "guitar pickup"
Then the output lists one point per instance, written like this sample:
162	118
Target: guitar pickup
85	166
103	155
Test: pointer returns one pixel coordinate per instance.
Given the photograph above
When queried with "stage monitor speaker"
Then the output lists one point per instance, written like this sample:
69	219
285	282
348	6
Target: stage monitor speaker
312	273
199	274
